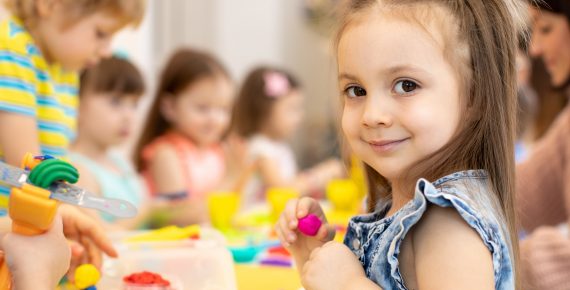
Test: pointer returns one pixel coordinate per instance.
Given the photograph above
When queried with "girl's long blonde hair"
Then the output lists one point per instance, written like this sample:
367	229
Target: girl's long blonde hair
482	45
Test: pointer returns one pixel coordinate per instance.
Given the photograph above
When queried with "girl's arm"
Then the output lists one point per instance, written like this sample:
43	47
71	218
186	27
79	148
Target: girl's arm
239	168
444	241
316	177
18	136
541	182
270	173
319	175
168	178
545	258
166	172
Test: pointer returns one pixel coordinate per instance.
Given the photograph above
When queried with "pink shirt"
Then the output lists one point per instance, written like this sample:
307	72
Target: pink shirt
203	168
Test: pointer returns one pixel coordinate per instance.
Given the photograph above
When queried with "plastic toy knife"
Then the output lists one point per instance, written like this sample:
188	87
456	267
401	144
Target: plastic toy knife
68	193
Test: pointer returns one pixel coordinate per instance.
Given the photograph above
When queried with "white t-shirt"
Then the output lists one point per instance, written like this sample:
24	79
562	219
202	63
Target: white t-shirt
281	153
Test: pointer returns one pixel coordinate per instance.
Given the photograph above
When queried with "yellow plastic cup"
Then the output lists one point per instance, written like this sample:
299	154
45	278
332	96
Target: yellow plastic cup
343	195
222	207
278	198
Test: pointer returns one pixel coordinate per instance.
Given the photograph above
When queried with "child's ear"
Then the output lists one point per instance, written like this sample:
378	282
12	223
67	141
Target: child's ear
167	108
46	7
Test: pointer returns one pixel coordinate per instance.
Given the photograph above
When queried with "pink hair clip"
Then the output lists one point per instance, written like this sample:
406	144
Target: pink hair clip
276	84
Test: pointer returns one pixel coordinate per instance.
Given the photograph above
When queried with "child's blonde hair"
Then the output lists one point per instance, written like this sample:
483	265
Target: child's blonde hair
128	11
481	40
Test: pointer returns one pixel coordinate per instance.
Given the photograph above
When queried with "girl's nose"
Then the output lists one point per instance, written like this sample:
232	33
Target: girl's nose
376	113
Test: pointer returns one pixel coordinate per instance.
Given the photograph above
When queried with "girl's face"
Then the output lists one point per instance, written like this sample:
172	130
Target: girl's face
551	41
401	96
77	45
107	119
285	116
201	111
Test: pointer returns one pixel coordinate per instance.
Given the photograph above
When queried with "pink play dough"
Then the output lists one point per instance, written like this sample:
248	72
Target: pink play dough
309	225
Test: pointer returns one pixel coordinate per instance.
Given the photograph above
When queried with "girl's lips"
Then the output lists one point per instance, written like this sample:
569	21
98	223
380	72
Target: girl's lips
383	146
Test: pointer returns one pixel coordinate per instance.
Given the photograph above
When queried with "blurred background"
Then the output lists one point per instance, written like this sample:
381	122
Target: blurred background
293	34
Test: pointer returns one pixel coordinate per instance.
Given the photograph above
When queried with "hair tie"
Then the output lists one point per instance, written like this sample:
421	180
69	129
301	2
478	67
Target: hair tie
276	84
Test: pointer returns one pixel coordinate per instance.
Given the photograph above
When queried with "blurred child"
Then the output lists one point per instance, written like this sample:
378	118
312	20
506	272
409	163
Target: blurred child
269	109
42	47
109	94
180	151
429	105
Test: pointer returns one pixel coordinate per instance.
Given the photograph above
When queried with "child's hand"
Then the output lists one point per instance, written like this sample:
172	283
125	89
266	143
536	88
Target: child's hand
37	260
297	243
89	238
332	266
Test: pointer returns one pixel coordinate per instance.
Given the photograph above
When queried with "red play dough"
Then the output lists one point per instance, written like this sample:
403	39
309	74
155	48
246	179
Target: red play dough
146	278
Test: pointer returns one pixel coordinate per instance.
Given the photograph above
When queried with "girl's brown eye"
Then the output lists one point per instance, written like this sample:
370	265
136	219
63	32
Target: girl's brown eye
355	91
405	87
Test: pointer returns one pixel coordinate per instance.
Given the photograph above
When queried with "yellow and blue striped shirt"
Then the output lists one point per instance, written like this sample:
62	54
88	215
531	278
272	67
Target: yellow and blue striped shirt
31	86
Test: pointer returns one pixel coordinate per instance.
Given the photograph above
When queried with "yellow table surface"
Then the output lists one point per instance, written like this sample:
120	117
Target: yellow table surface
256	277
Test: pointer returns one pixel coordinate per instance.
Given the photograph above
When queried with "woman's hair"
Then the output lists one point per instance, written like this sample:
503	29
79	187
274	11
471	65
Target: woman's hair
554	6
185	68
112	75
128	11
481	41
261	89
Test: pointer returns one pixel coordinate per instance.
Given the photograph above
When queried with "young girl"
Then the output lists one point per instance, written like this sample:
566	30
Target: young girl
429	92
267	112
180	151
110	89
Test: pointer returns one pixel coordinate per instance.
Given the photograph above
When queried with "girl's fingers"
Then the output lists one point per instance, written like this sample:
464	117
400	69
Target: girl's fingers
326	233
282	238
305	205
290	214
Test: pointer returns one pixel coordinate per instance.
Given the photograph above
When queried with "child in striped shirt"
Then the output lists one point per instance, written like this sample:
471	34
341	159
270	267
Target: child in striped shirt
42	47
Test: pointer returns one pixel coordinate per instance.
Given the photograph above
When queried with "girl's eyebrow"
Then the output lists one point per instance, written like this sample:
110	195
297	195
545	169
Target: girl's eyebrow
393	70
402	68
346	76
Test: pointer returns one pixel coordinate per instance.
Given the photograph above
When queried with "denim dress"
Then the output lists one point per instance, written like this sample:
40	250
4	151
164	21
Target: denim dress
376	239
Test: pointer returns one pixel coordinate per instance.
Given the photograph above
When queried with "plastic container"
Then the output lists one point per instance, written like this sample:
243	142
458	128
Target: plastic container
202	264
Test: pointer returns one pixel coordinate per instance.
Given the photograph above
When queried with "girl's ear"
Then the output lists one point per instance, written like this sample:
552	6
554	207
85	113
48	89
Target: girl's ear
46	7
167	105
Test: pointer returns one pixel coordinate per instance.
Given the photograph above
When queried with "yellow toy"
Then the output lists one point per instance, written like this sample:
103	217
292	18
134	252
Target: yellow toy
222	207
86	277
169	233
358	175
278	198
344	199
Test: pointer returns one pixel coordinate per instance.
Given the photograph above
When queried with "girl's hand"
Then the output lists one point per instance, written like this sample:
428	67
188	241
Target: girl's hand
332	266
90	238
37	260
297	243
